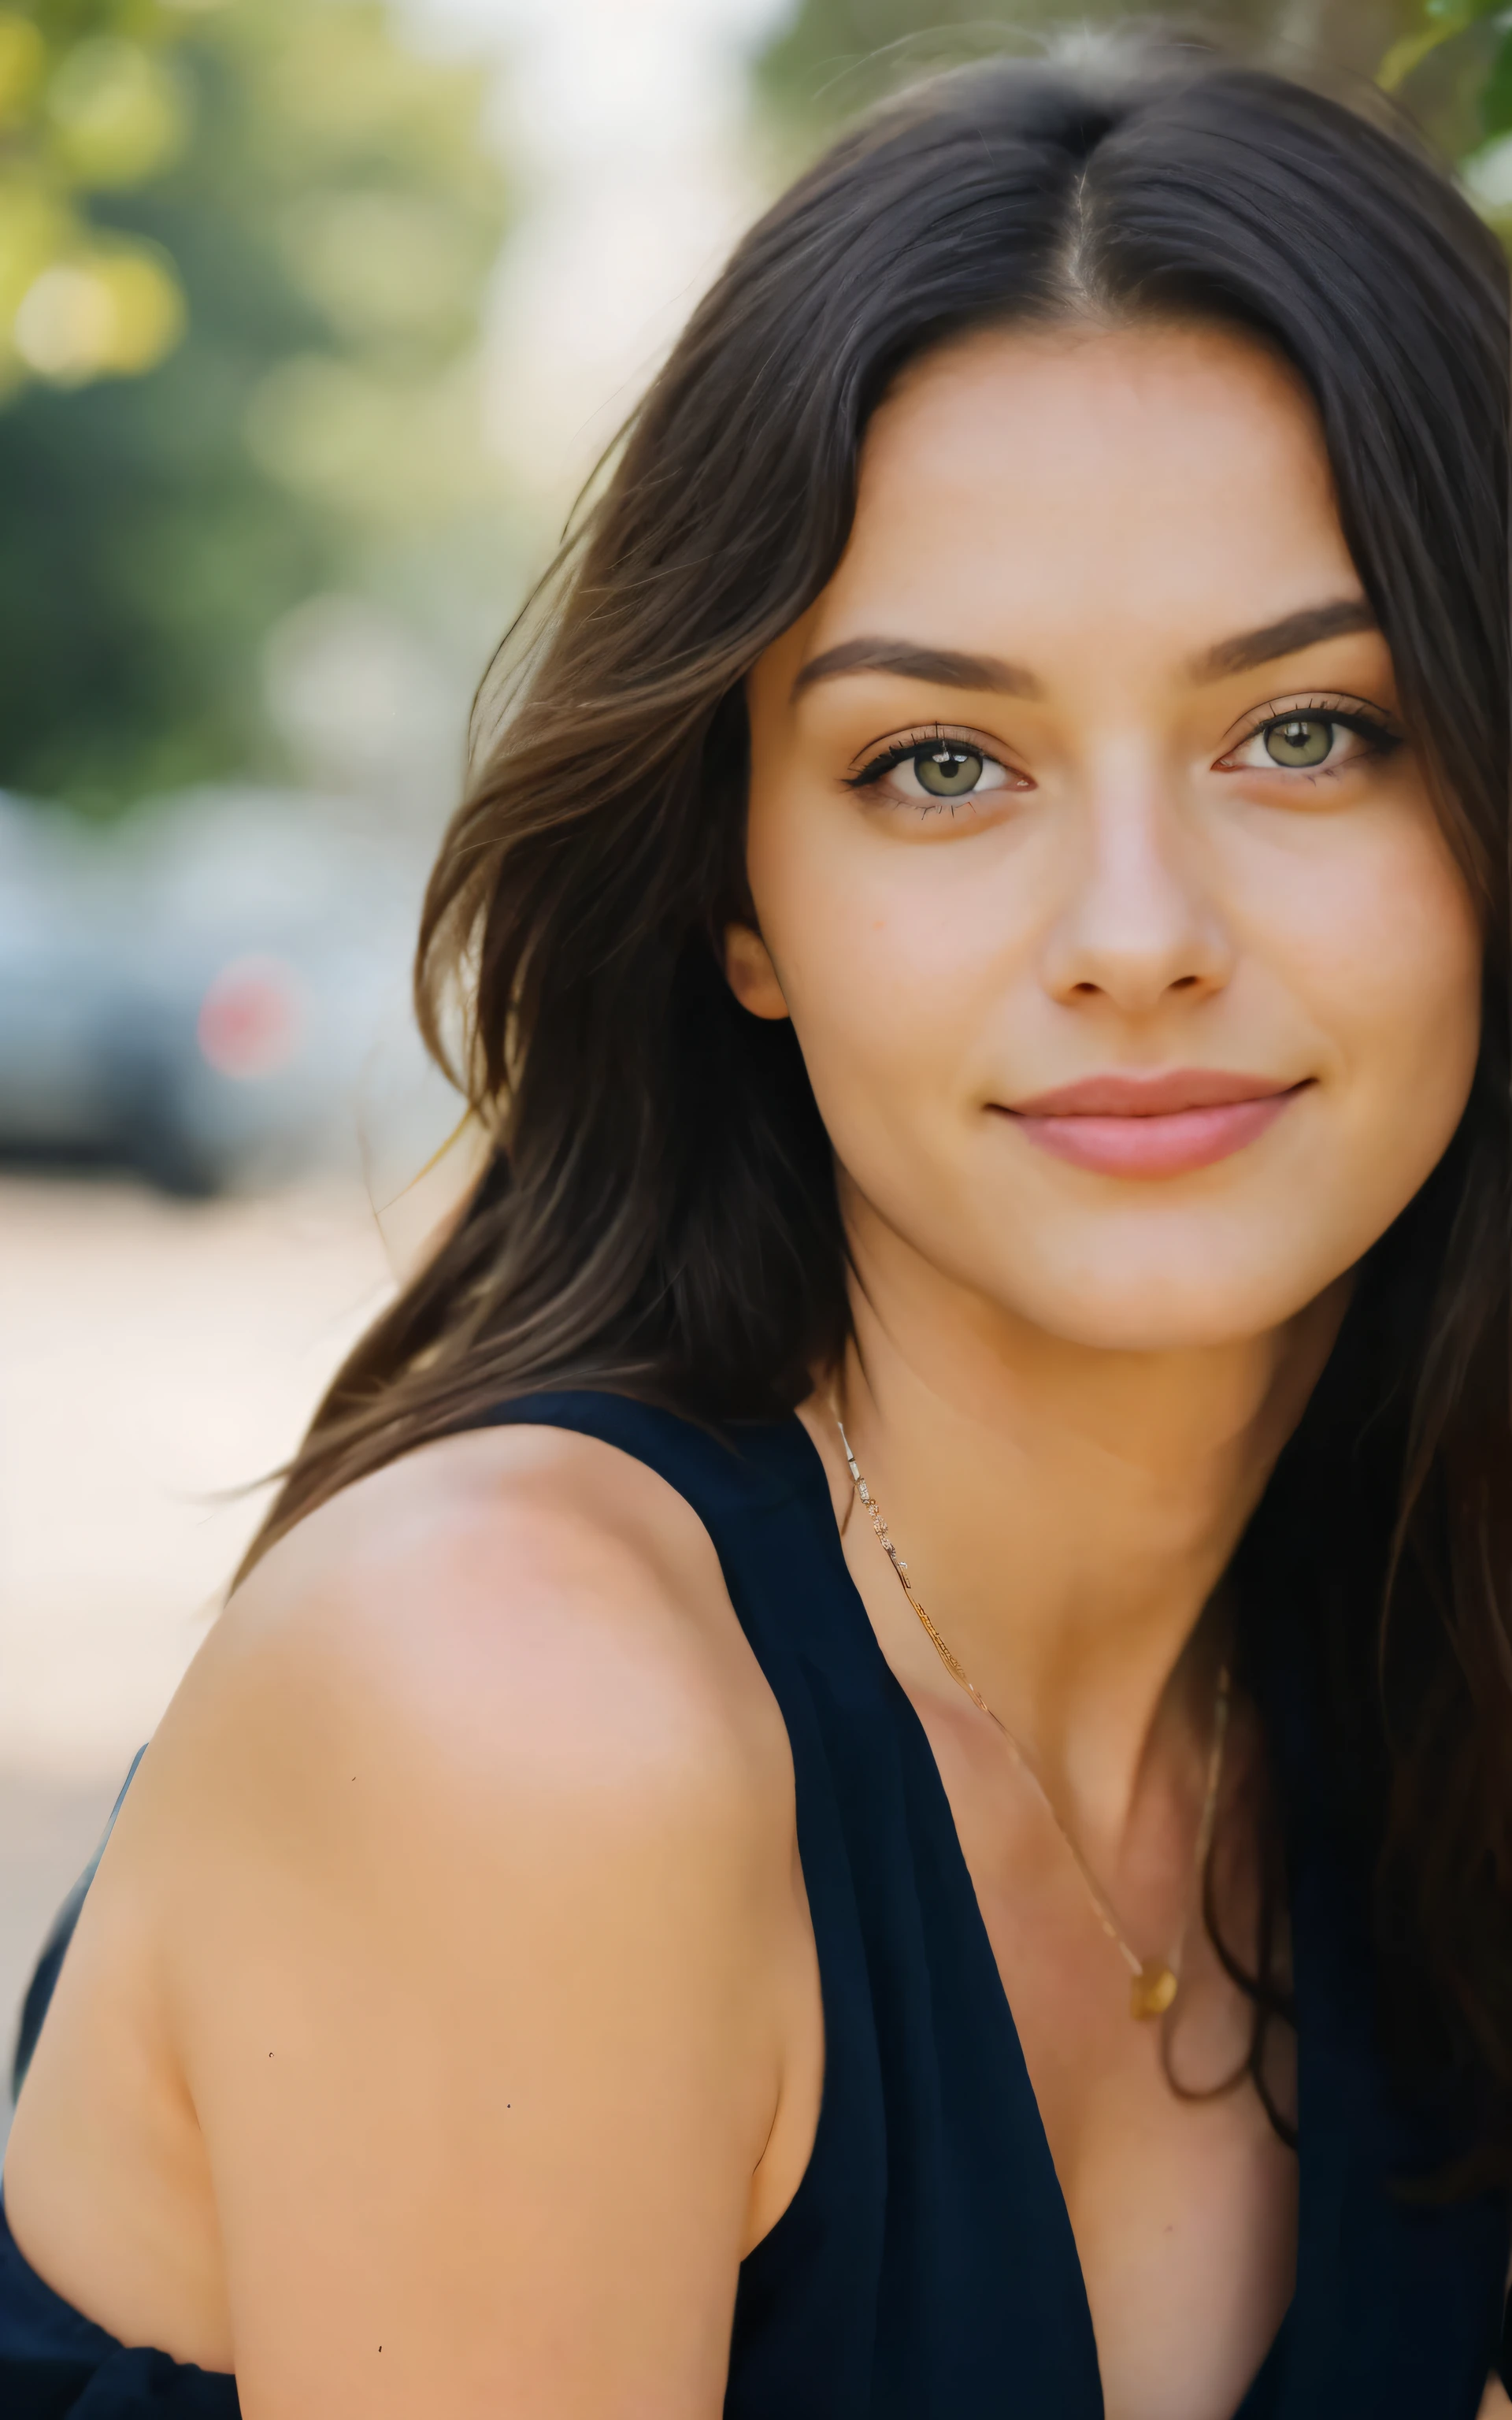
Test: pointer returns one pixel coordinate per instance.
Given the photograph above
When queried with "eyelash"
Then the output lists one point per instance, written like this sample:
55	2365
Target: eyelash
899	752
1363	721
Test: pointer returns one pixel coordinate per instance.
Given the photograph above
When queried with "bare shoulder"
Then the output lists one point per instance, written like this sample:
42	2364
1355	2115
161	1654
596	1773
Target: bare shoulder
457	1912
503	1673
512	1607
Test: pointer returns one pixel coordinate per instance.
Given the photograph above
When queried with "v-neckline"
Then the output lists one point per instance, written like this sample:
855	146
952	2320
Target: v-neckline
1254	2403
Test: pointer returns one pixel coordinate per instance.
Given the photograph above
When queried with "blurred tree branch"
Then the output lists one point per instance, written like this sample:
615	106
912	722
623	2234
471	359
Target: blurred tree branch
1442	22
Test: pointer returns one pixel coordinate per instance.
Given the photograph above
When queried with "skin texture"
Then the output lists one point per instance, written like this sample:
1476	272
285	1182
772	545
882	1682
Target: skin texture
448	1984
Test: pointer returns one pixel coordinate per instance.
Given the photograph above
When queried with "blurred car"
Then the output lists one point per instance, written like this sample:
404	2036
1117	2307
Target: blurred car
198	995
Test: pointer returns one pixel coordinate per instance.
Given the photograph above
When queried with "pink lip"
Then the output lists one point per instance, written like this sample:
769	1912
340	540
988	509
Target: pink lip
1153	1125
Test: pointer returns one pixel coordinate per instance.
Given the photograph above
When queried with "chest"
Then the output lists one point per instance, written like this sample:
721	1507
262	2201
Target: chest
1003	2210
1182	2197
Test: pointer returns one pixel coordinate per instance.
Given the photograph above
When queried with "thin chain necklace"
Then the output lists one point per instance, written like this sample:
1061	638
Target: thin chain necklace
1152	1982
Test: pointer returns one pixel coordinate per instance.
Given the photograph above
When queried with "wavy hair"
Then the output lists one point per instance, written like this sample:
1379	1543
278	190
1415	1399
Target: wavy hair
660	1214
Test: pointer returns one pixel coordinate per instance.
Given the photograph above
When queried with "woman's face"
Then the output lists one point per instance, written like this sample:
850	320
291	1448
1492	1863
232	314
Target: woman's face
1137	985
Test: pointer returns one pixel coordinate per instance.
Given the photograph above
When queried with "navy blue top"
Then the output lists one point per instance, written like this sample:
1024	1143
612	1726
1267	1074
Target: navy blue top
926	2269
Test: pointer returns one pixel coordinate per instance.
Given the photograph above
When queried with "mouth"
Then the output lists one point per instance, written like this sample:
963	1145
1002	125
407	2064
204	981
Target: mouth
1164	1124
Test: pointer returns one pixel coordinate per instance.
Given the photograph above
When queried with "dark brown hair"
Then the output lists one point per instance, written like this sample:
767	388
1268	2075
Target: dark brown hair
660	1215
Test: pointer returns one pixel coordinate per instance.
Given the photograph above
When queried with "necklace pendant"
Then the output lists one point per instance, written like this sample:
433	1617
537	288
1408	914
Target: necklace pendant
1152	1990
1153	1985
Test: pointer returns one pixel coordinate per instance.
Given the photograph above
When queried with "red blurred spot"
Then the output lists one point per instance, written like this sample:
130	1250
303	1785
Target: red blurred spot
249	1019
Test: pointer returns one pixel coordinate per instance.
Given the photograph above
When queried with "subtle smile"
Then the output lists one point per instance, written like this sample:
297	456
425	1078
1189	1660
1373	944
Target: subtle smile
1153	1125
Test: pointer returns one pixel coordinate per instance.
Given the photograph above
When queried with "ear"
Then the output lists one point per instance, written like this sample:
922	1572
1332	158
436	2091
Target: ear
751	974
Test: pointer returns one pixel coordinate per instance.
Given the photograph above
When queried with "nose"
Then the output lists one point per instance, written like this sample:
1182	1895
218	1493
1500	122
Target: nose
1140	926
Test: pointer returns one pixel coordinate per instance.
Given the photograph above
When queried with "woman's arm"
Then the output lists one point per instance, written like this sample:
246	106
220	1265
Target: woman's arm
467	1853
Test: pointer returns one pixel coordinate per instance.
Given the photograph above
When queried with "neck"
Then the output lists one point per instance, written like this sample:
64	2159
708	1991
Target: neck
1066	1513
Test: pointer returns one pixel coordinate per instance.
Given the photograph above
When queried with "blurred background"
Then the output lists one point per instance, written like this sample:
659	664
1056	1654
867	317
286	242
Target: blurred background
314	316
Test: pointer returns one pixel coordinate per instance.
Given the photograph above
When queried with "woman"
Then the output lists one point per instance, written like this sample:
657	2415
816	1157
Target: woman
984	938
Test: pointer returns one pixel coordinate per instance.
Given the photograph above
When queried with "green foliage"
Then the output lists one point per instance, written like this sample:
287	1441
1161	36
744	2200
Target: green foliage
89	104
1435	22
833	55
1496	96
319	204
1454	68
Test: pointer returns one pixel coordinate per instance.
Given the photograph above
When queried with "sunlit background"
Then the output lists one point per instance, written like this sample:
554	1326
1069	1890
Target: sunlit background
314	316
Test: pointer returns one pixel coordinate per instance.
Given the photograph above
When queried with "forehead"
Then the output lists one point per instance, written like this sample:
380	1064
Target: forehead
1164	485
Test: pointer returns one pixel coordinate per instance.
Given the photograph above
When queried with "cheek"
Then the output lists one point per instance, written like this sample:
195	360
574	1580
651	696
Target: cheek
1382	950
891	960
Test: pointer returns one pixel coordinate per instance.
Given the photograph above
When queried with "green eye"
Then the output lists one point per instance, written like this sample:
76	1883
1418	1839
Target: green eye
947	771
1302	740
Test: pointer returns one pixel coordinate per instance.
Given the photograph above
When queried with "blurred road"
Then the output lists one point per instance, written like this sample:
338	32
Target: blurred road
156	1357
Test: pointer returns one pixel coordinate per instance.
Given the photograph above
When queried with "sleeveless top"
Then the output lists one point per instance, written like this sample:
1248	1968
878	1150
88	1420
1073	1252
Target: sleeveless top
925	2268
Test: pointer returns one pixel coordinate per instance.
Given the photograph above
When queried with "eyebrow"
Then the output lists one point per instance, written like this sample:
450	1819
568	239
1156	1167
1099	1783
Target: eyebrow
948	668
910	659
1308	627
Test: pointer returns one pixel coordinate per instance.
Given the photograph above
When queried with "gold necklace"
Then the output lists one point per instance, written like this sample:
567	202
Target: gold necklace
1153	1981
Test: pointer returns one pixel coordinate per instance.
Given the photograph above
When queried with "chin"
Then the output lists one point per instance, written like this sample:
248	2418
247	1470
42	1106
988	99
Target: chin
1176	1307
